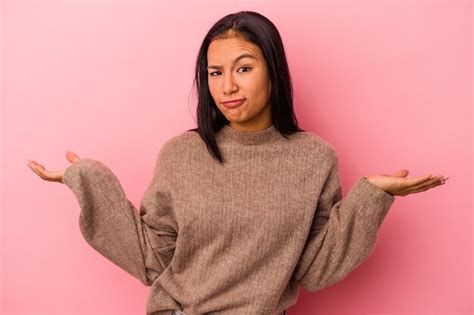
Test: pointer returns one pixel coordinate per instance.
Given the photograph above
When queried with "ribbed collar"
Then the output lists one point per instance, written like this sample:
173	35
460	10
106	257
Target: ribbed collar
229	134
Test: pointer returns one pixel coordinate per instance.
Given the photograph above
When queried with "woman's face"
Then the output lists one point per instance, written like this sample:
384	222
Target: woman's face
231	77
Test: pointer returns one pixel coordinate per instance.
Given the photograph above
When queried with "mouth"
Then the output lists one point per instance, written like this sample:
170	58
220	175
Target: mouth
234	103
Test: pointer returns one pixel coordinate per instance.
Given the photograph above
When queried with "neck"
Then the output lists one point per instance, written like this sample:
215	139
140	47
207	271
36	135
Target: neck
229	134
260	126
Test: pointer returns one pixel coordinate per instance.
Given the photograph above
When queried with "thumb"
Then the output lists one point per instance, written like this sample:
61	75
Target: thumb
72	157
400	173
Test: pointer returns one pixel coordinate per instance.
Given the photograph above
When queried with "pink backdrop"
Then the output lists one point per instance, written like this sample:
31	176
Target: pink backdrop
388	83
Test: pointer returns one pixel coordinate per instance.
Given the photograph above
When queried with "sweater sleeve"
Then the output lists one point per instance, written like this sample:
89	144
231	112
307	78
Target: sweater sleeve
343	231
141	243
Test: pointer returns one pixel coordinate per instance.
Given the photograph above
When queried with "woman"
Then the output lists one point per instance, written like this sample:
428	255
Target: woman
245	208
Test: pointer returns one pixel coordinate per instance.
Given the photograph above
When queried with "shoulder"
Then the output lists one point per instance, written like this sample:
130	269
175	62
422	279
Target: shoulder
179	143
315	144
173	149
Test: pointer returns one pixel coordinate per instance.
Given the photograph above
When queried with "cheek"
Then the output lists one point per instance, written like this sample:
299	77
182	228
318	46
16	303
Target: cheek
211	86
260	89
212	89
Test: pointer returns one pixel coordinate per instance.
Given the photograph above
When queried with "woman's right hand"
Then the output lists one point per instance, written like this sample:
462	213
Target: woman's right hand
52	176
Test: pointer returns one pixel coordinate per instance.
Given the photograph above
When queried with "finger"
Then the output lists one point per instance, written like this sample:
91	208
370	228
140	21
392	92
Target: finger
36	170
406	189
422	189
36	164
40	170
419	180
32	164
72	157
424	185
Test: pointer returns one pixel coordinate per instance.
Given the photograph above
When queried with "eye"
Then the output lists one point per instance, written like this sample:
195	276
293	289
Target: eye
213	74
245	68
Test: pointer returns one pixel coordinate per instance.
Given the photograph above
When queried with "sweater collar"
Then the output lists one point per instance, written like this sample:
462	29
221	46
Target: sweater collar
229	134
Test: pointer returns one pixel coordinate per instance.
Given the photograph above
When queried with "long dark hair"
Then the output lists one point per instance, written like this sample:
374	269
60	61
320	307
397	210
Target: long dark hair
260	31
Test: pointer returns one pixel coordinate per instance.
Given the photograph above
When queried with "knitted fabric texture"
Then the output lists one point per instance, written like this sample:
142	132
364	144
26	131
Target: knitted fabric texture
238	238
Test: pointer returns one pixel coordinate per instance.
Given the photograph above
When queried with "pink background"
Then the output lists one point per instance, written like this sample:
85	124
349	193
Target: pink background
388	83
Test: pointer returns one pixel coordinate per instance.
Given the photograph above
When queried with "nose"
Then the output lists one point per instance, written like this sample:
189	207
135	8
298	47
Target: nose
229	84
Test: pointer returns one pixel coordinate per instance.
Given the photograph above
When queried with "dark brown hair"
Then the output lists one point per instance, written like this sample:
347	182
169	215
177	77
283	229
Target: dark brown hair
260	31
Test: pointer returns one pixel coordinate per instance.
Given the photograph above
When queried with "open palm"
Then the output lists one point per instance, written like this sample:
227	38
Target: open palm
49	175
397	185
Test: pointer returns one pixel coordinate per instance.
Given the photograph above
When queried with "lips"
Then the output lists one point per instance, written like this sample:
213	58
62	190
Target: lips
234	103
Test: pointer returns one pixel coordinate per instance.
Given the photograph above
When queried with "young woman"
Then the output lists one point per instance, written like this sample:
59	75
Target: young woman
245	208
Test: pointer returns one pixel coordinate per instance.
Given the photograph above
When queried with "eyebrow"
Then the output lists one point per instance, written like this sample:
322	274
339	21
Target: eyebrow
245	55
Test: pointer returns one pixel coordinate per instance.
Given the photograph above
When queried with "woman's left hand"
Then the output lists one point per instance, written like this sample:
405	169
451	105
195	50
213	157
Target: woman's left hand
397	185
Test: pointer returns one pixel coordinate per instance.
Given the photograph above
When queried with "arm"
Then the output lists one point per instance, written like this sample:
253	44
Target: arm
343	232
140	243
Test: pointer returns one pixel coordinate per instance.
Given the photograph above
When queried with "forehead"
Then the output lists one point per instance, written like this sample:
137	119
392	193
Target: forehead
223	50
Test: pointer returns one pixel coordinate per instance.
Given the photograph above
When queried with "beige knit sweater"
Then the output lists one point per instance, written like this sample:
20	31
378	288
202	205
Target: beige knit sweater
238	238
